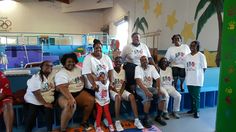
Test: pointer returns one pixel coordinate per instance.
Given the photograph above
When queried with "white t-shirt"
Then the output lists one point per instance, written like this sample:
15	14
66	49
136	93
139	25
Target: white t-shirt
46	88
133	53
73	78
119	79
176	54
194	65
93	65
146	75
102	96
166	77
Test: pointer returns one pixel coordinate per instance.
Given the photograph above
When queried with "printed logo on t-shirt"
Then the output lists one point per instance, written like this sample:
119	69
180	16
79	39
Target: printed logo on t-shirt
138	52
191	66
45	87
118	82
2	76
100	68
147	81
179	55
75	80
103	93
166	80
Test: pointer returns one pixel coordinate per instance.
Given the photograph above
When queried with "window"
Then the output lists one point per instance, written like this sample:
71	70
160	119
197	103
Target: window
122	34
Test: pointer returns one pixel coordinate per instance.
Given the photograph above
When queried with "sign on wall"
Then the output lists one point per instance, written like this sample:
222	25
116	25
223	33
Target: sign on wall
5	24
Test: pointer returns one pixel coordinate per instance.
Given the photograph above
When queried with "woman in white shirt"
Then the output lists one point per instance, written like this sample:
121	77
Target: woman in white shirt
195	65
131	55
40	96
175	55
94	63
70	83
166	83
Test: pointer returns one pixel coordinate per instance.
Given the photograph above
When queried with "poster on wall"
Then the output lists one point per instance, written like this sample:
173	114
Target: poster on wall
5	24
226	115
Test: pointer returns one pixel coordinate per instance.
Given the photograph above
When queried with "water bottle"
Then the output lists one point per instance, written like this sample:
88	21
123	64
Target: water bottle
21	64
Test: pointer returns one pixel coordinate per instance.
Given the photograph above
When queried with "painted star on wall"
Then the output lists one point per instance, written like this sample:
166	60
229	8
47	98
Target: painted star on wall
146	5
171	20
187	32
158	9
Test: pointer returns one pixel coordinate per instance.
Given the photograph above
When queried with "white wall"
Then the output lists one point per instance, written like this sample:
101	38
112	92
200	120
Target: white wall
46	17
34	16
185	10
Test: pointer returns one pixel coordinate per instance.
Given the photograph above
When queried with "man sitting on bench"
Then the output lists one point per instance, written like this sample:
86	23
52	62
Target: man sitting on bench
144	76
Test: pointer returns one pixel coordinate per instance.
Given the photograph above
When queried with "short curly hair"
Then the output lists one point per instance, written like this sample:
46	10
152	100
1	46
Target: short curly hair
66	56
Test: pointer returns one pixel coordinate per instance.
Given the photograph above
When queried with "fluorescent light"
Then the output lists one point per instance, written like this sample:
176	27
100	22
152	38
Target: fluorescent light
7	5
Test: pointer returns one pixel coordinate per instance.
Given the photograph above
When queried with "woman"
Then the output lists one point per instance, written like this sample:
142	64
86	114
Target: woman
96	62
195	65
175	55
70	83
166	84
6	101
40	96
132	54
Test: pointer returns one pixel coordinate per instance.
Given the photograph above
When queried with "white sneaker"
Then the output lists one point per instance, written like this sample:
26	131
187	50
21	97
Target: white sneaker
99	129
105	122
118	126
138	124
111	128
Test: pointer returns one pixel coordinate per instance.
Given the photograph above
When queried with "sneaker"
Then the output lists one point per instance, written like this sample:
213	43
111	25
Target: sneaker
105	122
86	126
196	115
176	115
111	128
118	126
166	116
160	121
146	123
190	112
138	124
95	124
99	129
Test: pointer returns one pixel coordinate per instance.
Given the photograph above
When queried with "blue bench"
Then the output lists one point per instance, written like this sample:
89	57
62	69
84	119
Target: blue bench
208	94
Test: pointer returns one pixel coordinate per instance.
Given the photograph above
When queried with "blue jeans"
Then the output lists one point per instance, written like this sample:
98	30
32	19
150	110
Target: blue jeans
145	98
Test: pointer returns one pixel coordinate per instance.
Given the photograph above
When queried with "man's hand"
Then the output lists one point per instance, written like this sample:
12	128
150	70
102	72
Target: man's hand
111	86
148	93
95	88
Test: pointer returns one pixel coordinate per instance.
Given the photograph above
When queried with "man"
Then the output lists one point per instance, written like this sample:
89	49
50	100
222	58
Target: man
144	76
6	102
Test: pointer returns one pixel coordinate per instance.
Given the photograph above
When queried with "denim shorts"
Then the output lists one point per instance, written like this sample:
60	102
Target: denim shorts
145	99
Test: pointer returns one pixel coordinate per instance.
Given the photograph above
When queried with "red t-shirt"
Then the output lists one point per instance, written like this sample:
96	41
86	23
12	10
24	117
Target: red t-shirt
5	90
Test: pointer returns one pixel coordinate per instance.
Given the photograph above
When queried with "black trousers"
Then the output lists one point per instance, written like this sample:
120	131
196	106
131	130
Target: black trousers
31	111
129	73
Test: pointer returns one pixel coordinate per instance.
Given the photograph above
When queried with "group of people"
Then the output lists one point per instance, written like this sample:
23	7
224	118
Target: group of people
101	79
